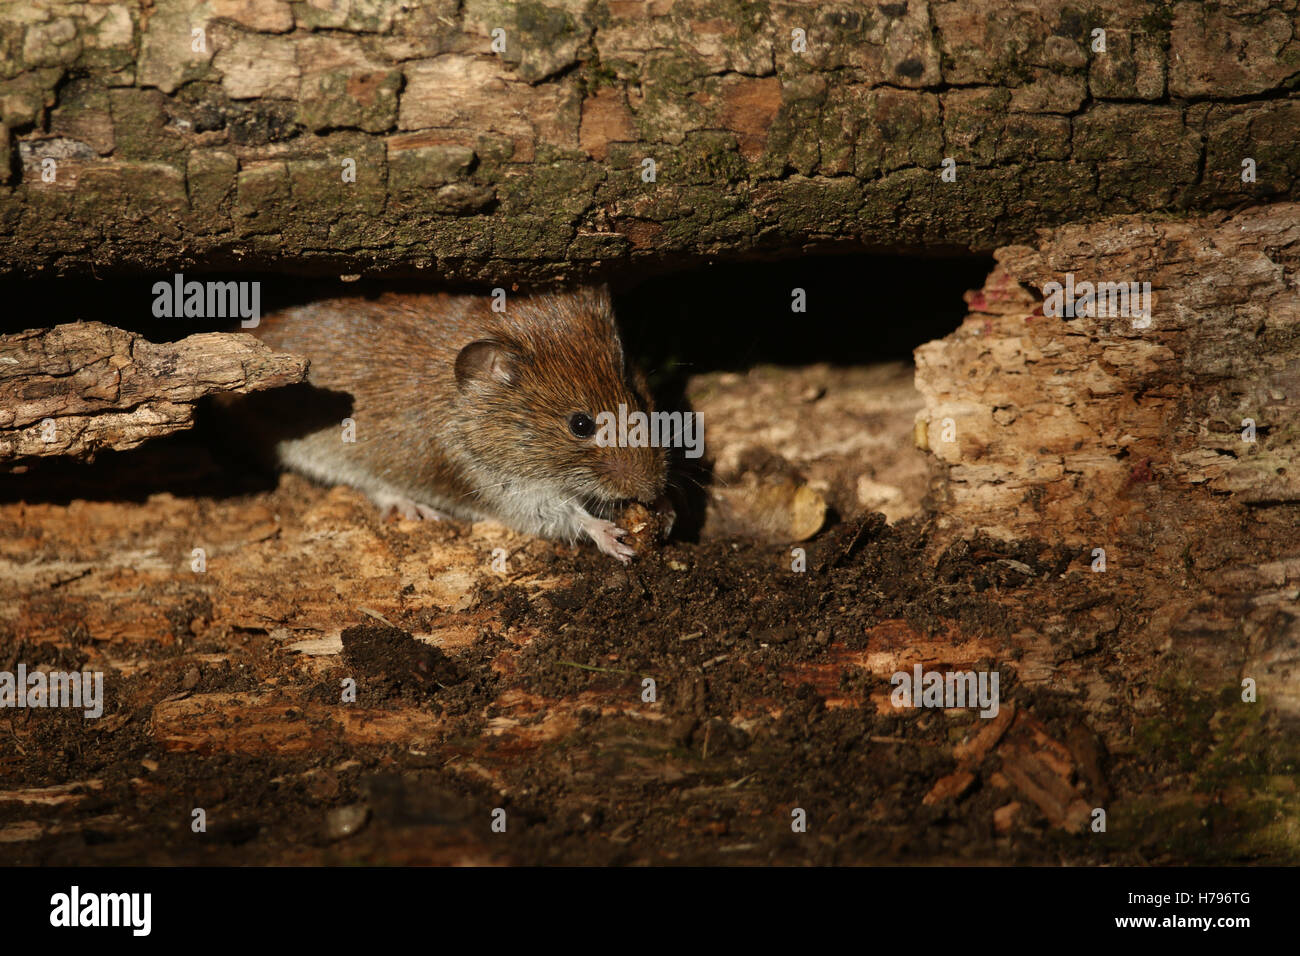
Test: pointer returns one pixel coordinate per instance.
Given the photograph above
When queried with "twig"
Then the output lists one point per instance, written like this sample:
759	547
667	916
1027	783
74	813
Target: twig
377	616
603	670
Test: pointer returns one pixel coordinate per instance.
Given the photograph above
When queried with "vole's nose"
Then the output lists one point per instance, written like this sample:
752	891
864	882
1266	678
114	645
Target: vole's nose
639	477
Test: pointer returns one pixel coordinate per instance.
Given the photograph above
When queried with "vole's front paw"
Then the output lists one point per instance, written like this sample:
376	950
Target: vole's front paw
606	534
410	510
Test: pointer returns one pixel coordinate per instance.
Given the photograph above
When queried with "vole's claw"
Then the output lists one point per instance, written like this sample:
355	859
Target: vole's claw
410	510
606	534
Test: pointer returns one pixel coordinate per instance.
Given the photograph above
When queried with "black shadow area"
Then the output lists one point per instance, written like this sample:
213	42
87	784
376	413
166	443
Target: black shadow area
858	310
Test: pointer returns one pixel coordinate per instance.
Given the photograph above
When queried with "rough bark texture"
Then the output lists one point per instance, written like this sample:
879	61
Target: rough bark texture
1058	420
81	388
1173	447
526	164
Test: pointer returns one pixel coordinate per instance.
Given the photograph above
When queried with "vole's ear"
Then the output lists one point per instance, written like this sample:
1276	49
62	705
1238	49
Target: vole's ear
486	360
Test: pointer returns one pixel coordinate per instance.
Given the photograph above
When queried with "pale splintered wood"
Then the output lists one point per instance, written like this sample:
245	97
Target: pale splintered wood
84	387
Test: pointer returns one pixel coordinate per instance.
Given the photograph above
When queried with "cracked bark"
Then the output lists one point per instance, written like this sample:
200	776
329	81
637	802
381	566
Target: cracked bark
525	165
85	387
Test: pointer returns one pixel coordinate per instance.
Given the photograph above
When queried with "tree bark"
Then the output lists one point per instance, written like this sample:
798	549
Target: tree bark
135	143
85	387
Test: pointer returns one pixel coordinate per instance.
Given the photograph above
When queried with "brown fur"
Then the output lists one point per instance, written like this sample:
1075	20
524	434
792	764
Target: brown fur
424	436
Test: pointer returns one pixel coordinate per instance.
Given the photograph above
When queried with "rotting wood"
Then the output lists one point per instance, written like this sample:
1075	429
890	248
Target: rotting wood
1164	455
1200	588
84	387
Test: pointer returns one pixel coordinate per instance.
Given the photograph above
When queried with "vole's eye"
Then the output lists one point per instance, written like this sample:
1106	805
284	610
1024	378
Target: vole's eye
580	424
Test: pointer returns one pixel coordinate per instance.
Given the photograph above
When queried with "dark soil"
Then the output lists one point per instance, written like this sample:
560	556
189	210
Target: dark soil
760	706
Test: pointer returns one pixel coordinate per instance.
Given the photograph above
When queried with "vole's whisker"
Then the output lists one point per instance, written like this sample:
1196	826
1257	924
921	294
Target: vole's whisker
479	491
674	479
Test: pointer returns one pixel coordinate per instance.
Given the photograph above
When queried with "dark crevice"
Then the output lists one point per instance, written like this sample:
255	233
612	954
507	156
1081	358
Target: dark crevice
728	316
